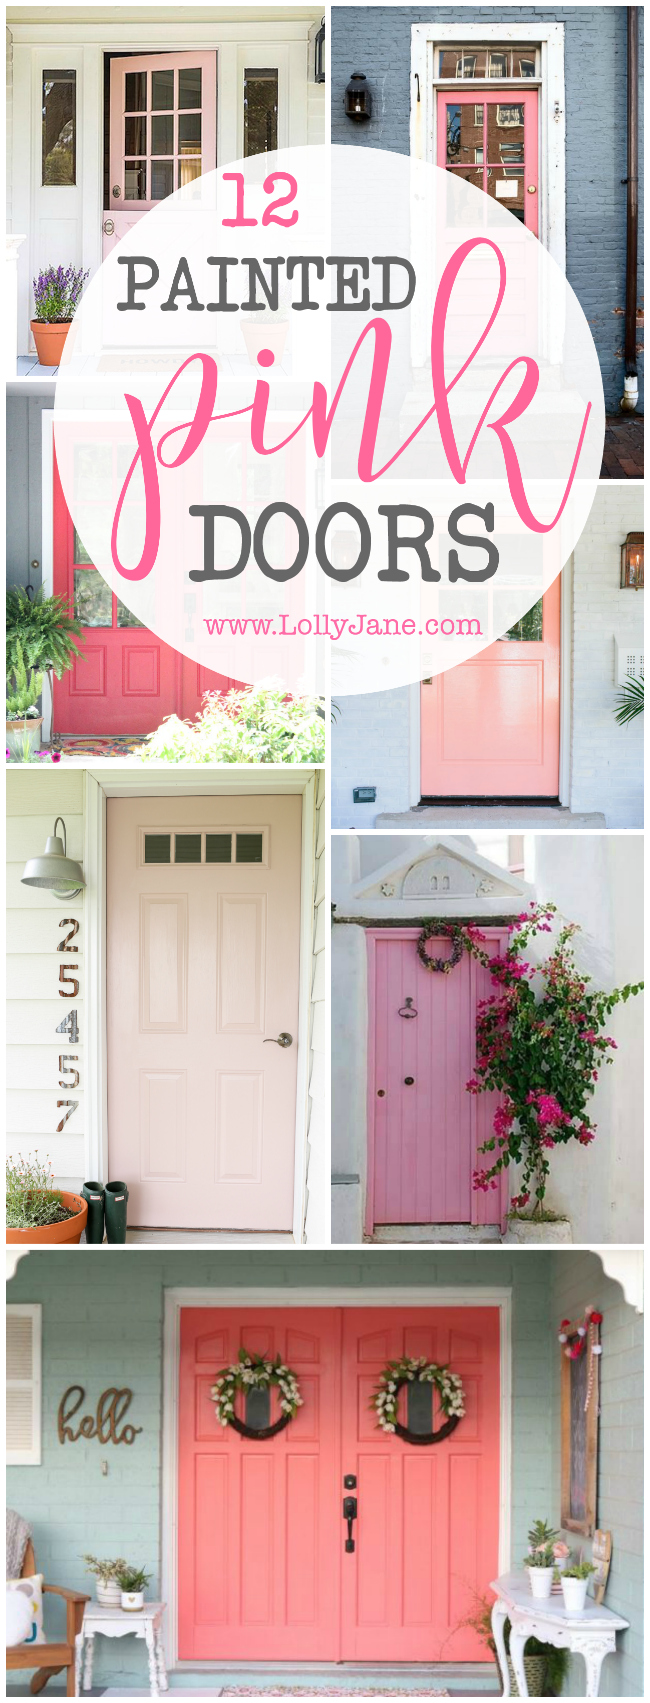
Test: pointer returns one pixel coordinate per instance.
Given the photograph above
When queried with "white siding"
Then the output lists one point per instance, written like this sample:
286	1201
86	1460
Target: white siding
606	760
317	1221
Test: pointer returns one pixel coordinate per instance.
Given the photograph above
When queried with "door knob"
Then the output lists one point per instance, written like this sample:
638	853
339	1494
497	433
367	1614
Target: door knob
409	1080
381	1093
284	1039
532	189
349	1515
108	227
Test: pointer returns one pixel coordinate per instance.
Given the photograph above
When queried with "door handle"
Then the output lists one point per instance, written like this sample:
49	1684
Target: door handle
349	1515
284	1039
409	1080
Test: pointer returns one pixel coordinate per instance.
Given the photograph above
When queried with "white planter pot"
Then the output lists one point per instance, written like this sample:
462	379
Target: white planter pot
524	1230
574	1592
108	1593
24	730
132	1601
540	1580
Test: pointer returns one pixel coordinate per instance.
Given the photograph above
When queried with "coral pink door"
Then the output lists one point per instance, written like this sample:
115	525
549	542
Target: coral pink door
262	1569
203	916
163	128
424	1128
491	141
491	727
427	1530
125	680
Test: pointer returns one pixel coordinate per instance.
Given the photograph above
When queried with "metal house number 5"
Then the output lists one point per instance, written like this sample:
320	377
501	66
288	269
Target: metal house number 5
68	1074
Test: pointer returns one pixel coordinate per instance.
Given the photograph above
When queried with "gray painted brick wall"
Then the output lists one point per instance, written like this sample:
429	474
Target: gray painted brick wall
377	40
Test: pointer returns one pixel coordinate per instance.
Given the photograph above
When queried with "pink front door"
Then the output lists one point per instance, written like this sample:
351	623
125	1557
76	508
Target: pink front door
489	138
203	919
263	1573
424	1128
163	130
490	728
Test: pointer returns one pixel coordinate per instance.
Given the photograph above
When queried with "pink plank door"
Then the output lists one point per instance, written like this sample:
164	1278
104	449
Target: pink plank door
259	1522
424	1128
203	911
163	129
491	727
428	1517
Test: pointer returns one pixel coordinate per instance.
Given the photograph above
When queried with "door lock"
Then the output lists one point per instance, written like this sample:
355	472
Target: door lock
532	189
108	227
381	1093
349	1515
284	1039
409	1080
117	191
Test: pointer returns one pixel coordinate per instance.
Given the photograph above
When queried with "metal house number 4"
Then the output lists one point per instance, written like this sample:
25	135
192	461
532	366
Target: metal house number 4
68	989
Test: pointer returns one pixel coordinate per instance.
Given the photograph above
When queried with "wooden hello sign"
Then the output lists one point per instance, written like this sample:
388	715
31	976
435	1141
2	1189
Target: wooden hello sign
104	1424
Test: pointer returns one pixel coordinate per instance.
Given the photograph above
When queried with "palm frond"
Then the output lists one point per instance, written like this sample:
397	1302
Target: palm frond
630	702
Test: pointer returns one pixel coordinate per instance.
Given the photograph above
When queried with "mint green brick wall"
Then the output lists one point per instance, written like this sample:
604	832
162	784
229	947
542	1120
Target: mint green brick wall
620	1456
102	1325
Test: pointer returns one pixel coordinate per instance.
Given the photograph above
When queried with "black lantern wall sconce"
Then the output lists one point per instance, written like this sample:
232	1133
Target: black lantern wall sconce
358	99
319	54
632	562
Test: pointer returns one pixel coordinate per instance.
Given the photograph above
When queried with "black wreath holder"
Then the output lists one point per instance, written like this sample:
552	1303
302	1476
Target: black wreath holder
253	1372
406	1371
441	966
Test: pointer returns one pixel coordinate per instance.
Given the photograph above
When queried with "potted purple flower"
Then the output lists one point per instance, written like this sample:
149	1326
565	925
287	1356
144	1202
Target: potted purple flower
57	293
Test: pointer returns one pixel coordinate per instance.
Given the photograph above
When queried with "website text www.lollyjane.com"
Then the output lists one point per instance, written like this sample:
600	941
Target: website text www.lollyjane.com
337	627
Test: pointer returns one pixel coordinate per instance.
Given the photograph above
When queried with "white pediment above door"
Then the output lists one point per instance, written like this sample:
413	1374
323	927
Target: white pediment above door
446	878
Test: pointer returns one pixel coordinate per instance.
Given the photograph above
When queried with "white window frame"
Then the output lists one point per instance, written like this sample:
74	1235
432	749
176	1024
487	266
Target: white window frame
427	38
31	1310
329	1295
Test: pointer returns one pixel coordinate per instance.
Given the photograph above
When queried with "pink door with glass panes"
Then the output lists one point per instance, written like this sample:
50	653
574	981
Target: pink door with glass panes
263	1571
425	1129
203	918
489	138
163	132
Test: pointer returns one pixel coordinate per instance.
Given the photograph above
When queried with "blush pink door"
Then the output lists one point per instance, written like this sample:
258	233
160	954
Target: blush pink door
262	1570
490	728
424	1127
259	1523
163	132
489	138
203	916
427	1530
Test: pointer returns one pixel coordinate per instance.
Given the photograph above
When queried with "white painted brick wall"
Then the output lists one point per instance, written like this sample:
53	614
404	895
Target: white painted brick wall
370	747
606	760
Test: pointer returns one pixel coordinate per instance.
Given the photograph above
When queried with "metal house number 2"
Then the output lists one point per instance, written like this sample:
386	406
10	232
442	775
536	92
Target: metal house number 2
68	989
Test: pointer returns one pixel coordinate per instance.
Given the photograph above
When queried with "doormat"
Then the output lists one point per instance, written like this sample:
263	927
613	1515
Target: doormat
105	747
323	1691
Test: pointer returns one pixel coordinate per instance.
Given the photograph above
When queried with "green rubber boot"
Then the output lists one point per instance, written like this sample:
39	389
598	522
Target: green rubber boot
115	1203
93	1193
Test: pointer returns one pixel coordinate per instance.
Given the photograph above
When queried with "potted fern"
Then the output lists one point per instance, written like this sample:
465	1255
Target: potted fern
42	632
24	687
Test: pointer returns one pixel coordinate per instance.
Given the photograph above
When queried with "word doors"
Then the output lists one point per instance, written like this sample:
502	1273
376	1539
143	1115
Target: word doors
424	1127
203	909
263	1573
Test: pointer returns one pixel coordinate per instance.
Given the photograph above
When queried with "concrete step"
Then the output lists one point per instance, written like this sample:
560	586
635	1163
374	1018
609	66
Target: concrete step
477	815
468	1233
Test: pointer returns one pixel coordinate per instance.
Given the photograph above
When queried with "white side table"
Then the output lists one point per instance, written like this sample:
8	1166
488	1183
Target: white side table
591	1634
119	1623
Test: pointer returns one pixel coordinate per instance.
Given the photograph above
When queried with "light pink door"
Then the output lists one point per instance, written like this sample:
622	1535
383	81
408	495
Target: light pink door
428	1516
424	1128
203	907
490	728
163	129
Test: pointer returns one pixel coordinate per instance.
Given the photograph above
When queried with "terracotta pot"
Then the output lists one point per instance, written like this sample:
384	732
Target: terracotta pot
272	336
49	340
70	1230
16	730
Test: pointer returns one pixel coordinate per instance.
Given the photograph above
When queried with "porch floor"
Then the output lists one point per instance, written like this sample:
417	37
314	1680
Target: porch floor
212	1238
354	1679
477	815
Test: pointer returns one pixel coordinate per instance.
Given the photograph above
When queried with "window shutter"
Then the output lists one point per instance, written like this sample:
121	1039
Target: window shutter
24	1385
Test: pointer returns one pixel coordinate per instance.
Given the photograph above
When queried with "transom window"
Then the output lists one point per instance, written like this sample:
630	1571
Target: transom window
490	64
204	846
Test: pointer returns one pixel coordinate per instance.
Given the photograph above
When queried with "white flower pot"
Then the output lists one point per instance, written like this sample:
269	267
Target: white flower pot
108	1593
540	1580
132	1601
574	1592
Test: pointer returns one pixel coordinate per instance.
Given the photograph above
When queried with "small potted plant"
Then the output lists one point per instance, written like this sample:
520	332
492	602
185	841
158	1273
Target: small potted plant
24	687
57	293
107	1582
36	1211
540	1571
132	1581
43	632
575	1579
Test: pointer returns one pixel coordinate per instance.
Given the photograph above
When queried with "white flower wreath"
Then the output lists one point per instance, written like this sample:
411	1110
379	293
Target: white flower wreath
252	1371
407	1371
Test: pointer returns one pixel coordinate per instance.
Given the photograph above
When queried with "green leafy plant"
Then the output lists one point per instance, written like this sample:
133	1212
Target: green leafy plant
132	1578
57	293
541	1535
31	1199
43	631
24	687
579	1570
542	1557
259	724
556	1662
630	702
105	1570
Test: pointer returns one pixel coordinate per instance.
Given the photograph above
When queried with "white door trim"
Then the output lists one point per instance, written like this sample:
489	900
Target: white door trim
101	785
326	1295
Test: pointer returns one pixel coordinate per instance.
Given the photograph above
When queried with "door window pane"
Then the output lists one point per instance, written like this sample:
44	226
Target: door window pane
126	618
80	554
453	134
260	111
188	170
135	135
59	128
162	91
135	180
135	92
188	848
218	848
156	848
249	848
189	88
530	627
162	134
93	599
189	133
162	174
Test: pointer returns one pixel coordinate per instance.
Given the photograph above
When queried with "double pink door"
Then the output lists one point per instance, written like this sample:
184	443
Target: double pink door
203	916
424	1128
263	1573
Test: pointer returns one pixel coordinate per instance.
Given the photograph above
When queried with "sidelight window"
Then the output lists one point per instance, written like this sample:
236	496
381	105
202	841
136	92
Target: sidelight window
59	129
260	111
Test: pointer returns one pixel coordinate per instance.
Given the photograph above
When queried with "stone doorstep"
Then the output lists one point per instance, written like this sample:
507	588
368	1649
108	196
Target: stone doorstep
512	816
468	1233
